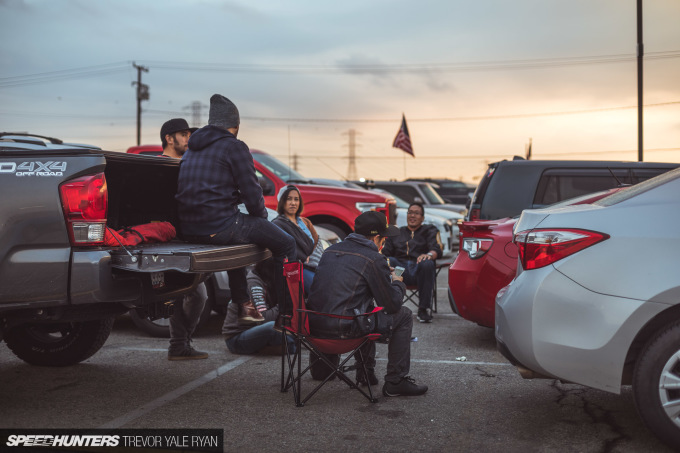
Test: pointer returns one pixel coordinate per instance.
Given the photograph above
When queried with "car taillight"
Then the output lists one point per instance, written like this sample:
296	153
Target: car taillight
84	202
540	247
476	247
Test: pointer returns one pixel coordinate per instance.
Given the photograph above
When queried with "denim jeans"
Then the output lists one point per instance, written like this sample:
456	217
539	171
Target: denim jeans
186	313
254	339
421	275
247	229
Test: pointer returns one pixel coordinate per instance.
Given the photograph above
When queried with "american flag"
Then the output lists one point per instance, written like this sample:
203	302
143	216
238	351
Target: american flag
403	140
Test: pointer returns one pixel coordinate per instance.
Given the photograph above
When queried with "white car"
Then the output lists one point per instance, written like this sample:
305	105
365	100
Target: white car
596	299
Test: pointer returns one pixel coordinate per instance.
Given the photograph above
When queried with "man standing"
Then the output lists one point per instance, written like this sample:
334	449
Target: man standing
415	249
187	310
351	275
216	174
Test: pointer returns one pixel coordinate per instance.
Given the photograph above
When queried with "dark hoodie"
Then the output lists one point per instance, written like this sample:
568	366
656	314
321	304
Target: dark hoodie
215	175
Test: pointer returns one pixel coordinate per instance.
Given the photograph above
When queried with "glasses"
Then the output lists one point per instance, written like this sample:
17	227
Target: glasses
414	213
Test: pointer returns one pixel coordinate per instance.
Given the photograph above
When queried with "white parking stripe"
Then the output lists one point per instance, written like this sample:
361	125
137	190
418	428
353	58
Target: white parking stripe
454	362
168	397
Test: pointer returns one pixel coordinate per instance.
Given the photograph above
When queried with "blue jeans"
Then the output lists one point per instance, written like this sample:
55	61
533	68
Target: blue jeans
308	278
421	275
254	339
247	229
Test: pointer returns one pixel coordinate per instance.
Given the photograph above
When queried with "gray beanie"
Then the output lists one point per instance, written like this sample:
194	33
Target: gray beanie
223	112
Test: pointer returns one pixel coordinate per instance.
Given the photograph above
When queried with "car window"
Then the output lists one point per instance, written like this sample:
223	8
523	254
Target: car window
637	189
430	194
407	193
560	184
277	167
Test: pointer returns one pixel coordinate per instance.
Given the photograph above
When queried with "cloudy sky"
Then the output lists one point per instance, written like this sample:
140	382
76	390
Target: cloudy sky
476	80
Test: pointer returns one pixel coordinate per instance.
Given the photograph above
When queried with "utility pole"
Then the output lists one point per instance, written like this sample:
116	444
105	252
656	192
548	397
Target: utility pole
352	168
640	54
142	95
295	162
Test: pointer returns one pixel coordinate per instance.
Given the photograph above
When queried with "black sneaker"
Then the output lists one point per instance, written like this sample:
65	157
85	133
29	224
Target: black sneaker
424	315
361	378
187	353
406	387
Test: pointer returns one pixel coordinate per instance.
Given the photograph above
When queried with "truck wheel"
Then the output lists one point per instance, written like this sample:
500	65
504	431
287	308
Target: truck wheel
656	384
337	230
59	344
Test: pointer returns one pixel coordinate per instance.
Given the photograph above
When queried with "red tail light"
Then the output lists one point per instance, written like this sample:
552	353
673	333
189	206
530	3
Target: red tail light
475	213
541	247
85	201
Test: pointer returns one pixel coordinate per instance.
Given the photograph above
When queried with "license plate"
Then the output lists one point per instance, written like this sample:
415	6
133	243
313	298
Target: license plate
158	280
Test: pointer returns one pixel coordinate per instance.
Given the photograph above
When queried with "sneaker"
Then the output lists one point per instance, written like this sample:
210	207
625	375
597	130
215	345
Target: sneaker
405	387
188	353
424	315
361	378
248	314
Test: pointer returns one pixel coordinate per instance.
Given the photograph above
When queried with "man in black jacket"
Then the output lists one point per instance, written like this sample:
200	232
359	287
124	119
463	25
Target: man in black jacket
216	174
353	275
415	249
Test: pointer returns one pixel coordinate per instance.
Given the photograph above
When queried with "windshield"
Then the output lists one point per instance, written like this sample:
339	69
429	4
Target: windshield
280	169
431	195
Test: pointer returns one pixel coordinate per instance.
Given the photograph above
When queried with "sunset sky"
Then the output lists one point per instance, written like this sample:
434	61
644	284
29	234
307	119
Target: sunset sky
476	80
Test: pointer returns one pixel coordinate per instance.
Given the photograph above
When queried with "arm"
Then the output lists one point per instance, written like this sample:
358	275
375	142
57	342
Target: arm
432	241
243	170
386	294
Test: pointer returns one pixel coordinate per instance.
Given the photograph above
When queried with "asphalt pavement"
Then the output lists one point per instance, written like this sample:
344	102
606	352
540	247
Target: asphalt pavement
479	403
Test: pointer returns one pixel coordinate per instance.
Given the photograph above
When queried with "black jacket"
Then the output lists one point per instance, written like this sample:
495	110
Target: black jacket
215	175
410	244
352	274
303	243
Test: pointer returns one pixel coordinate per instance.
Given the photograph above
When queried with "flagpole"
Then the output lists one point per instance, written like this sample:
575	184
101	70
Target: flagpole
404	165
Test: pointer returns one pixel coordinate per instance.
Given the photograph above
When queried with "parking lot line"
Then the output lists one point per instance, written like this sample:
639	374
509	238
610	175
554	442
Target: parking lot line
168	397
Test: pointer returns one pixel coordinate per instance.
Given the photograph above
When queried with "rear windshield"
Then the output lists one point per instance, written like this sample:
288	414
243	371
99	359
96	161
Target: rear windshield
637	189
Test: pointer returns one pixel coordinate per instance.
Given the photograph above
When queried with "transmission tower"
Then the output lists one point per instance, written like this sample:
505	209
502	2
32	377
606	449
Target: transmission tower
196	109
352	168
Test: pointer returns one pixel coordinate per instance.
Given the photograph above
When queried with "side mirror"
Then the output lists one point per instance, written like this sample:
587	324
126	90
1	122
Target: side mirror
268	187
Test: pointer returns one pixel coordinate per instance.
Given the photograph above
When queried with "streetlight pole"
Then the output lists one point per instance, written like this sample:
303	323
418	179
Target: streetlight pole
640	54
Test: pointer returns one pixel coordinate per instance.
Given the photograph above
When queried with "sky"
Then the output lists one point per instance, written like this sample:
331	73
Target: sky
313	80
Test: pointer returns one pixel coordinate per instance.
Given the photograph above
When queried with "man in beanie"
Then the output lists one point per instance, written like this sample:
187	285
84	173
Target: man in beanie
187	310
352	275
216	174
175	135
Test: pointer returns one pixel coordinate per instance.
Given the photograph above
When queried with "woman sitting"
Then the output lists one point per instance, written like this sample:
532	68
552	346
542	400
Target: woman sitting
290	220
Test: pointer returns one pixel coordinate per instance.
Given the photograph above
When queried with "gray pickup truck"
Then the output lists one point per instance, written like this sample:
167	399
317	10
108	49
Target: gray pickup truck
60	286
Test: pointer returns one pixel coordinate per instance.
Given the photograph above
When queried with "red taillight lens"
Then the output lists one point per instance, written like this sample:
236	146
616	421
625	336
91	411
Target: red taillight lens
85	201
540	247
474	214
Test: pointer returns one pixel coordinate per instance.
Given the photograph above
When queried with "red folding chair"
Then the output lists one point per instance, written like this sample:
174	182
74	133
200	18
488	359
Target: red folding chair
298	326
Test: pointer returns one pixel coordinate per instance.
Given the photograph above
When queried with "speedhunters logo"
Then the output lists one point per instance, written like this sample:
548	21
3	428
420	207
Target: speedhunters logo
111	440
36	440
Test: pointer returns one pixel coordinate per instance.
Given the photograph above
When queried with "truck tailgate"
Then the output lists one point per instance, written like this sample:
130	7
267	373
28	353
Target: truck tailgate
186	257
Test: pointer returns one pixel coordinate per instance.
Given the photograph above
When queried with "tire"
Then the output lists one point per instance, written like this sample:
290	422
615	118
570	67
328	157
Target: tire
59	344
335	229
160	328
655	383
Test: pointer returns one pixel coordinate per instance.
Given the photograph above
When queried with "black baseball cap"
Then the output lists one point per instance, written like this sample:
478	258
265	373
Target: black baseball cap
175	125
371	223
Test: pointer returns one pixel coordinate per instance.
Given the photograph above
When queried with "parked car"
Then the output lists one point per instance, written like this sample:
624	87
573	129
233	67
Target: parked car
487	262
508	187
451	191
411	191
597	298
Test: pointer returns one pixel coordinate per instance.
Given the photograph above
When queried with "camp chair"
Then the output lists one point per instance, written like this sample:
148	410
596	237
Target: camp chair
298	326
412	290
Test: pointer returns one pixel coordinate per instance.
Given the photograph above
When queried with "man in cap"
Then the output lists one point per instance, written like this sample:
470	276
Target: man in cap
175	135
187	310
216	174
352	274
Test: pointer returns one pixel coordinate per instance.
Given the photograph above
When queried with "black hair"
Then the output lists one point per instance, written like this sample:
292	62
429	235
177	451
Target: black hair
284	197
417	203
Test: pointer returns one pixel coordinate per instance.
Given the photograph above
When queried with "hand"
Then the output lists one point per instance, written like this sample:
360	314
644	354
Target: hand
424	256
397	278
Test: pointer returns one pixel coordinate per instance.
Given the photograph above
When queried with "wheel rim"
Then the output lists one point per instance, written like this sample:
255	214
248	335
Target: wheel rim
669	388
50	333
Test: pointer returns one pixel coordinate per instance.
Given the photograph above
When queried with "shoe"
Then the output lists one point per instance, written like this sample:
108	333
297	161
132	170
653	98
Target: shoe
248	314
282	321
188	353
405	387
361	378
424	315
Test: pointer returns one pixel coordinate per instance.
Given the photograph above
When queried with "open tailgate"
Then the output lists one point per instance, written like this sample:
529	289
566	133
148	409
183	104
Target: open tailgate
185	257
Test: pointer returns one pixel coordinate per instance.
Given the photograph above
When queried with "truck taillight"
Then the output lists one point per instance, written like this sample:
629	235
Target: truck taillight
541	247
85	201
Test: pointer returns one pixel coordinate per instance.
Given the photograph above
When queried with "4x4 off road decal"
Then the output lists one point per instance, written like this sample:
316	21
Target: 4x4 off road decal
33	168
